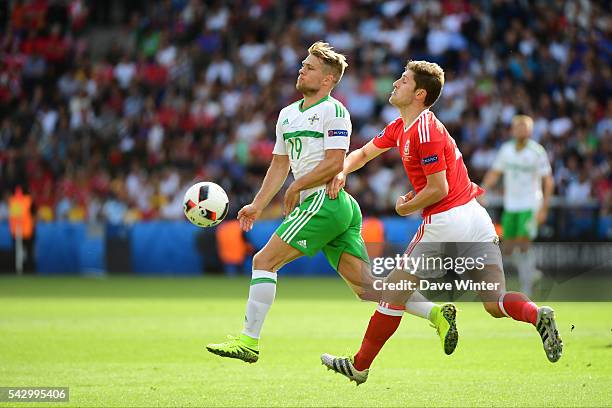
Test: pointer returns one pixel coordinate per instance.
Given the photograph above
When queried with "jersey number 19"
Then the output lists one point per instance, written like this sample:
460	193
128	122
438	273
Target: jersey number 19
296	147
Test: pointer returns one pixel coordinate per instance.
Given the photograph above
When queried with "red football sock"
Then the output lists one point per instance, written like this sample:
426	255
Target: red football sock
518	306
379	330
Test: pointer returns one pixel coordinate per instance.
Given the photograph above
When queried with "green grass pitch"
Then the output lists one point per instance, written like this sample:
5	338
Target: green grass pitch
140	342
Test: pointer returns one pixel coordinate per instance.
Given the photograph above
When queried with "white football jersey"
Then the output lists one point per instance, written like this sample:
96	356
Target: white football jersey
523	171
305	134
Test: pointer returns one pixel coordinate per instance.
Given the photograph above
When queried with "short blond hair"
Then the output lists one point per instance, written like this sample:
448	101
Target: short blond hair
522	118
333	60
428	76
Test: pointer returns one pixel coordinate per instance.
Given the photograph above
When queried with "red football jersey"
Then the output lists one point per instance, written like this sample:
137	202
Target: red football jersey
426	147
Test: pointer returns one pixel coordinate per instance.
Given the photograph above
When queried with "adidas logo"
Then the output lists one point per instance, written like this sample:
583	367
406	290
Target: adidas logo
302	243
285	122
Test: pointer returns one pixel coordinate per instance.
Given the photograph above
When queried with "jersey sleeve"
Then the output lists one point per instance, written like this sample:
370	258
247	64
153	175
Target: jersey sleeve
544	168
431	156
387	137
337	132
279	147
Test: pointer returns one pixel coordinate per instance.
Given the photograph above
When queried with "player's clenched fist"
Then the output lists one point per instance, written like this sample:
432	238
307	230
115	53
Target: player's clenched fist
335	184
401	200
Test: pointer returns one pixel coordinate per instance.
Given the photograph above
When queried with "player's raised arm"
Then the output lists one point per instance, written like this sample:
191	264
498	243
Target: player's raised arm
354	161
272	183
358	158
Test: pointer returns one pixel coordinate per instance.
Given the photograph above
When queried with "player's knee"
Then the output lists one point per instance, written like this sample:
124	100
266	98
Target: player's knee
493	309
263	261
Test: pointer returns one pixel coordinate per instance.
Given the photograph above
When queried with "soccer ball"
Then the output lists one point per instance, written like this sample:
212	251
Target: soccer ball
205	204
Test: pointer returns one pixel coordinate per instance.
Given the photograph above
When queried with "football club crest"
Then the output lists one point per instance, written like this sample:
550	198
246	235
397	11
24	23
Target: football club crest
407	148
314	118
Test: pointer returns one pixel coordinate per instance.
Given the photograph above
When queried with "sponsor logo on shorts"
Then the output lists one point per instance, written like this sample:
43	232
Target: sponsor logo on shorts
337	132
430	159
302	243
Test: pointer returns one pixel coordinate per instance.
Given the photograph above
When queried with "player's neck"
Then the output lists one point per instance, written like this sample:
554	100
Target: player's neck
520	144
410	113
311	100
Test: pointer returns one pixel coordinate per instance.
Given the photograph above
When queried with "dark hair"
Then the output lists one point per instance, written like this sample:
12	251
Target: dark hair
428	76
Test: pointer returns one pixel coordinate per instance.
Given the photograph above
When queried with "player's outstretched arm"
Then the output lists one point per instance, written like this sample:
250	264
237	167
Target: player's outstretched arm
321	174
354	161
435	190
272	183
490	180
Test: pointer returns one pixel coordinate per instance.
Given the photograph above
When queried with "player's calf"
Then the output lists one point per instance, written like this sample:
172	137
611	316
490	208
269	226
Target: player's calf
493	309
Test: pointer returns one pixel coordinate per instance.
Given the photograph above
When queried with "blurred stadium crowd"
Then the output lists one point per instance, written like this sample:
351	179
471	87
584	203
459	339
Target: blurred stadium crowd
190	89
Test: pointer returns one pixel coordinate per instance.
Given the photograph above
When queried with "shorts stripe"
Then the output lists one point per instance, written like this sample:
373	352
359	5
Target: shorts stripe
297	224
415	241
299	217
305	220
419	235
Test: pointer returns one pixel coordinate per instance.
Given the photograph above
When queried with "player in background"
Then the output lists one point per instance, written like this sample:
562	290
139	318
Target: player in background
312	137
451	214
528	186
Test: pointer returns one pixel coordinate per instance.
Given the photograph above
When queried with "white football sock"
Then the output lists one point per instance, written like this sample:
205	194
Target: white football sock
419	305
261	297
526	271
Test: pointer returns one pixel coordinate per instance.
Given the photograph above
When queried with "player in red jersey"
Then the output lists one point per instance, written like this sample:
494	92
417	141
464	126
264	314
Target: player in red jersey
445	194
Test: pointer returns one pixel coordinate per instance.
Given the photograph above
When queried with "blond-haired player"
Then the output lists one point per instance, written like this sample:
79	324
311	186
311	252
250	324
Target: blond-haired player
312	137
528	186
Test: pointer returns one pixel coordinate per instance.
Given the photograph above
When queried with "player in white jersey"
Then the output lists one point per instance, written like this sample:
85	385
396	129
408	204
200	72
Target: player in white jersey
528	186
312	137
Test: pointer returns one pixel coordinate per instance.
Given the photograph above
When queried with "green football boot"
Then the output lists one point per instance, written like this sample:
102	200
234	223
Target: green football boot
443	320
236	347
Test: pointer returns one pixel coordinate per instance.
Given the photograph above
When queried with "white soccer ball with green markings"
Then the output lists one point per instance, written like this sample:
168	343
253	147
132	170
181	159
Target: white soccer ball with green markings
205	204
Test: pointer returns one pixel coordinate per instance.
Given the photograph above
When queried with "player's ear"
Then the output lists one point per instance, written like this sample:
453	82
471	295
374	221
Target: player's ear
421	94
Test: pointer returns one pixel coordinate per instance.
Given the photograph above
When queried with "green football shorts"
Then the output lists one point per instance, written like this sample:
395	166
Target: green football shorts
320	223
519	224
